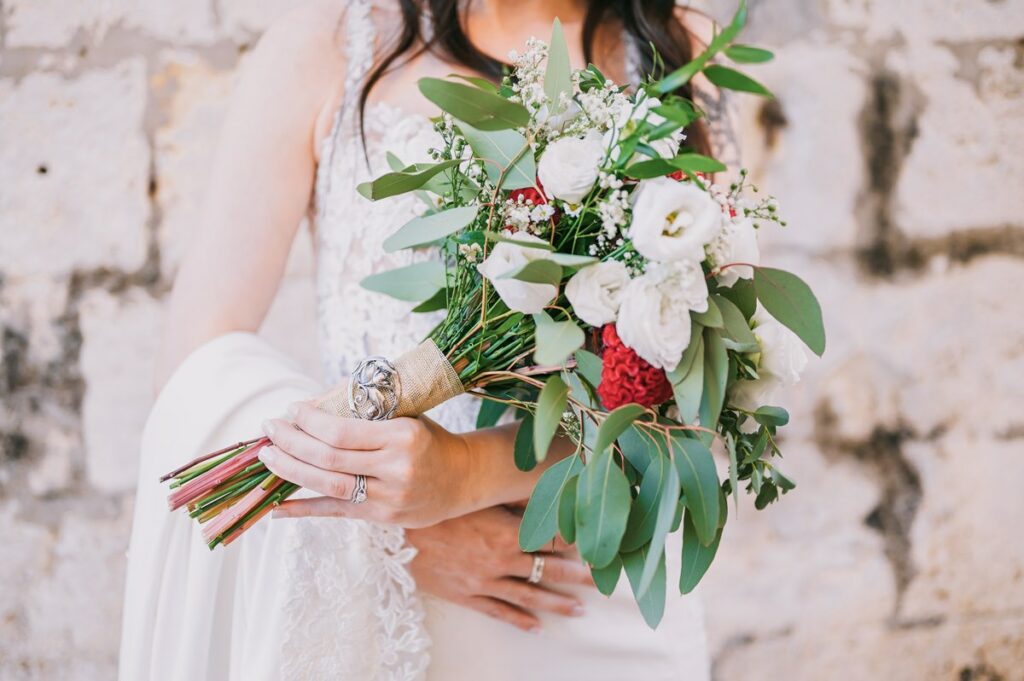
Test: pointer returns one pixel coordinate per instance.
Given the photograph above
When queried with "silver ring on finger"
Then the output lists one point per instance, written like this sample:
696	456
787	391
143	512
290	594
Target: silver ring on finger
359	490
537	571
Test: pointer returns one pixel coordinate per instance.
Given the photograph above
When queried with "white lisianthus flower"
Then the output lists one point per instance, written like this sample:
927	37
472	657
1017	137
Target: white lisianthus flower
782	360
673	220
569	167
595	292
654	318
737	242
521	296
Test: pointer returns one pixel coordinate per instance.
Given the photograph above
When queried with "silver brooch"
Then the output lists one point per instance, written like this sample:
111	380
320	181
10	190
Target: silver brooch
375	389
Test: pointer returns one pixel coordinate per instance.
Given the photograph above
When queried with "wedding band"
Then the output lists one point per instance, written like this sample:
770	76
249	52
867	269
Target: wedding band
359	491
537	571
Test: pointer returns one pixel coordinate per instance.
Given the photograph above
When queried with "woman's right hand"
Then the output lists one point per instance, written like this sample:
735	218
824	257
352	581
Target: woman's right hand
475	561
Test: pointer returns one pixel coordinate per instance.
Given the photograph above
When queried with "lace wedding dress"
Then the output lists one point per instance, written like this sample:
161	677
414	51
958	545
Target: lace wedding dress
330	598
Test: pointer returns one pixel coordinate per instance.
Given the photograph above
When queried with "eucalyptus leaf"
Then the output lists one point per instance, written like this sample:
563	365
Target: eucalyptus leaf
781	480
537	272
716	376
735	324
644	513
747	54
687	378
791	302
699	480
667	503
540	519
712	317
523	453
731	79
615	423
743	296
426	229
607	577
590	366
550	405
558	75
641	446
771	416
602	508
490	413
509	161
481	83
555	340
696	556
567	511
683	74
480	108
392	184
416	282
651	601
734	470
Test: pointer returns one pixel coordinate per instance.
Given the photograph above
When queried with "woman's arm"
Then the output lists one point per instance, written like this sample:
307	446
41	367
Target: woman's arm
259	187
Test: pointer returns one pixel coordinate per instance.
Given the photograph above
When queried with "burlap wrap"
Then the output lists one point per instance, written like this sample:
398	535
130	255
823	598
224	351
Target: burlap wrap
426	379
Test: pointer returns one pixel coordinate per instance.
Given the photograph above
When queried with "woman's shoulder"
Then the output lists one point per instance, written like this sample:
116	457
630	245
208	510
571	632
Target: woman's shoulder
309	36
698	23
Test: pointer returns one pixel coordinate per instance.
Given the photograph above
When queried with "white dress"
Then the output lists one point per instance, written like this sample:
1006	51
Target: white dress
611	641
330	598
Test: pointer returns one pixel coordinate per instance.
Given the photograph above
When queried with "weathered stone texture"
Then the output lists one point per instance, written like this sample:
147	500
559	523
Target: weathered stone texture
895	148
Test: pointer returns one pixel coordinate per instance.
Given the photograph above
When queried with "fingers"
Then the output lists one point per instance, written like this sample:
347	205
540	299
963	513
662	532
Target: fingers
533	597
564	571
329	483
505	612
338	431
313	451
321	507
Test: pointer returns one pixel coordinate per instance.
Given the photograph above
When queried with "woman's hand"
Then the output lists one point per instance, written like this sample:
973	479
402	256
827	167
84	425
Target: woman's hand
475	561
416	472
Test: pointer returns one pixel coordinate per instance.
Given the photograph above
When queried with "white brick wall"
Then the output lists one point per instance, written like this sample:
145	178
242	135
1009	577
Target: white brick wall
897	557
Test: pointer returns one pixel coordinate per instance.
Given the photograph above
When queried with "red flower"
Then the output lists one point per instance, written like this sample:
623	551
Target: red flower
529	194
627	378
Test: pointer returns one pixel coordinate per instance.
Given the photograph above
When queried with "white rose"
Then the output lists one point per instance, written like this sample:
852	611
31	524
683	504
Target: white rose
521	296
654	318
596	291
569	167
737	242
673	220
782	360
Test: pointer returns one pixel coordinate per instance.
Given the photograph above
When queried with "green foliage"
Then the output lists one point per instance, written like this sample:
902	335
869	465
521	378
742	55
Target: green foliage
696	556
406	180
426	229
555	340
615	423
537	272
567	511
558	76
683	74
699	481
790	301
667	502
477	107
652	600
602	508
523	452
771	416
716	376
746	54
687	378
589	366
712	317
414	283
689	162
731	79
540	519
508	160
490	413
550	405
607	577
644	513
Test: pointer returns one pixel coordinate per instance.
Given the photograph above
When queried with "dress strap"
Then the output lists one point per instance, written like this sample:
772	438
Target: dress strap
360	38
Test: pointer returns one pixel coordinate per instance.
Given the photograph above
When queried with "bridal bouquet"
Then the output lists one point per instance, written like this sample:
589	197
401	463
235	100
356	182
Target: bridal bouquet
599	285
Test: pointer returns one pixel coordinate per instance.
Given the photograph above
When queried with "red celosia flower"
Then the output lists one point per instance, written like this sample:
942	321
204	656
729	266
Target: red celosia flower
627	378
528	194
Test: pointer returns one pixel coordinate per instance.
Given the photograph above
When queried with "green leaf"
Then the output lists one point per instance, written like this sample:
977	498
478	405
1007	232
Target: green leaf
590	366
567	511
490	413
558	75
735	324
683	74
522	449
438	301
415	282
555	340
537	272
641	446
781	480
602	508
481	109
743	296
659	167
540	519
651	601
539	245
392	184
429	228
481	83
767	495
716	376
550	405
771	416
607	577
644	514
699	480
712	317
687	378
505	151
667	503
615	423
731	79
696	556
790	301
747	54
571	260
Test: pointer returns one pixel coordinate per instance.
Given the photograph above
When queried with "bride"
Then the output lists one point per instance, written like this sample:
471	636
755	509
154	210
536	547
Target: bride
332	589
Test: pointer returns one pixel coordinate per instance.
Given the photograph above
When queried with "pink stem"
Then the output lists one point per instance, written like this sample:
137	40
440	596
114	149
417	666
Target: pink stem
194	489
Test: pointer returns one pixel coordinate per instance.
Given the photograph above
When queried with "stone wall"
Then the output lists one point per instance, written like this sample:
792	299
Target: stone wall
896	146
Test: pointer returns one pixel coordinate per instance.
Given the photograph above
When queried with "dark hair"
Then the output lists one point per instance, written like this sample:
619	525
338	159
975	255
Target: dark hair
652	25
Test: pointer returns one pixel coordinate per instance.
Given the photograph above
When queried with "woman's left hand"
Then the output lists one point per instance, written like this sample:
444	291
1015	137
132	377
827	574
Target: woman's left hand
415	470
